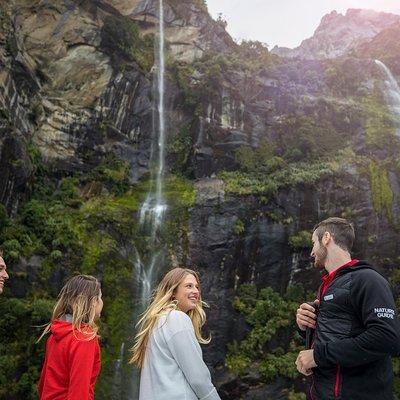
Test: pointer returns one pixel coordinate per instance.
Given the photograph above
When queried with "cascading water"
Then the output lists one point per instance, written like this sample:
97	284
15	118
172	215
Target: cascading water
154	207
392	93
199	141
150	255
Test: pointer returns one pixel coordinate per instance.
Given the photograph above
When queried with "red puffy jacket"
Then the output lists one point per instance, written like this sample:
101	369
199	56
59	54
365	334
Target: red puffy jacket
71	366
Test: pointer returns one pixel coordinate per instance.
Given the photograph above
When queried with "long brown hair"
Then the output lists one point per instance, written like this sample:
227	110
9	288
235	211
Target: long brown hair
162	302
78	298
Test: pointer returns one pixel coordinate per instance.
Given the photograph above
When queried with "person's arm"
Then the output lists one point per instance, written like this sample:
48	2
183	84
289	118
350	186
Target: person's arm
82	356
372	297
184	348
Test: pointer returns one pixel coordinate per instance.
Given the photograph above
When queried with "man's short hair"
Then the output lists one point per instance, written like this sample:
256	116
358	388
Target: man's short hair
1	253
341	230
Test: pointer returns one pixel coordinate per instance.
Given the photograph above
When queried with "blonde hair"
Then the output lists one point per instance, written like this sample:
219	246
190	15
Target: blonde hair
77	298
163	302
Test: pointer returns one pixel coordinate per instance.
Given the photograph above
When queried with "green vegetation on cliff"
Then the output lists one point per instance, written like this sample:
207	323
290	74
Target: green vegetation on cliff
382	193
83	223
121	37
20	355
301	240
344	76
269	315
201	4
288	175
380	123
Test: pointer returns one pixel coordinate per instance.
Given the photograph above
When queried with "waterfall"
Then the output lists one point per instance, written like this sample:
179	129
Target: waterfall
392	92
154	207
150	258
199	141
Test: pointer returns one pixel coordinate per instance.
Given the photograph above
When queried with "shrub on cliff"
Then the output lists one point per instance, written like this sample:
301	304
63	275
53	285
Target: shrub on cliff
121	38
300	240
20	326
272	344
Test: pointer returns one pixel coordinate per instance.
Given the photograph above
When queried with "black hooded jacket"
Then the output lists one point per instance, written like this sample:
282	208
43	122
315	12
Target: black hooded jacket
357	332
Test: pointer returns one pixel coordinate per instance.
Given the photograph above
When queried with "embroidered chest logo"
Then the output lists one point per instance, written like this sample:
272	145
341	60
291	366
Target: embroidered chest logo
328	297
384	313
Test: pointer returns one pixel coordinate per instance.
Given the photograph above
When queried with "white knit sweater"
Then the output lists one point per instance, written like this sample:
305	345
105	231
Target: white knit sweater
174	368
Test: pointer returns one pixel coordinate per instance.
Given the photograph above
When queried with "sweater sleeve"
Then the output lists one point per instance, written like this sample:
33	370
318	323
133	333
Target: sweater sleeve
187	353
81	361
372	298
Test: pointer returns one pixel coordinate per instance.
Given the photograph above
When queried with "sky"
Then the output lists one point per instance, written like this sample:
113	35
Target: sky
284	22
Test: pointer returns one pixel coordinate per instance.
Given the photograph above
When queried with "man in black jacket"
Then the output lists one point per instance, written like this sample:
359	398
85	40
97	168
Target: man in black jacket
356	328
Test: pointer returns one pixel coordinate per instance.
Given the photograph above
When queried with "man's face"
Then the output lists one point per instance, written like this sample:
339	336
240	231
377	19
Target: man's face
3	274
319	252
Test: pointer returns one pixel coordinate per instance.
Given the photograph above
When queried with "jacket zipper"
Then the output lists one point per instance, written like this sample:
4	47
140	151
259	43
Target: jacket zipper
311	387
337	382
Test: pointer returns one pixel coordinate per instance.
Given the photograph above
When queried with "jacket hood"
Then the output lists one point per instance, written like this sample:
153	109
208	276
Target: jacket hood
60	329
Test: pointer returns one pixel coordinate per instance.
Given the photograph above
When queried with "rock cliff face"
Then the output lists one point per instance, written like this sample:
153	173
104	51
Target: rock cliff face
339	34
269	145
57	69
260	255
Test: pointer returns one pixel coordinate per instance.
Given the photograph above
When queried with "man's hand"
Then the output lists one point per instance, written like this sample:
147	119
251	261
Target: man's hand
306	316
305	361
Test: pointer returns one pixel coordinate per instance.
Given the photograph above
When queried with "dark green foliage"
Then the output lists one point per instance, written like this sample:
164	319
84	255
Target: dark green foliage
84	223
300	240
379	123
179	150
269	316
34	215
253	55
288	175
292	395
344	76
180	73
204	79
121	37
382	193
20	356
239	227
112	173
259	160
304	137
4	220
211	67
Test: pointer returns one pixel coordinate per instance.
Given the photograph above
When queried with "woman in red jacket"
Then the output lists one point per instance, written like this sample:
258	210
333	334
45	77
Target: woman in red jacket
72	361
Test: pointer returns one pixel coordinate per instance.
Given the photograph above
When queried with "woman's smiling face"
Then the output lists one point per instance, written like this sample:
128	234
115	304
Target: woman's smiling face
187	293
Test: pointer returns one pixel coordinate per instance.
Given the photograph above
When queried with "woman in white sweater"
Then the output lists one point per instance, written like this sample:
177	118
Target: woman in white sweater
167	345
